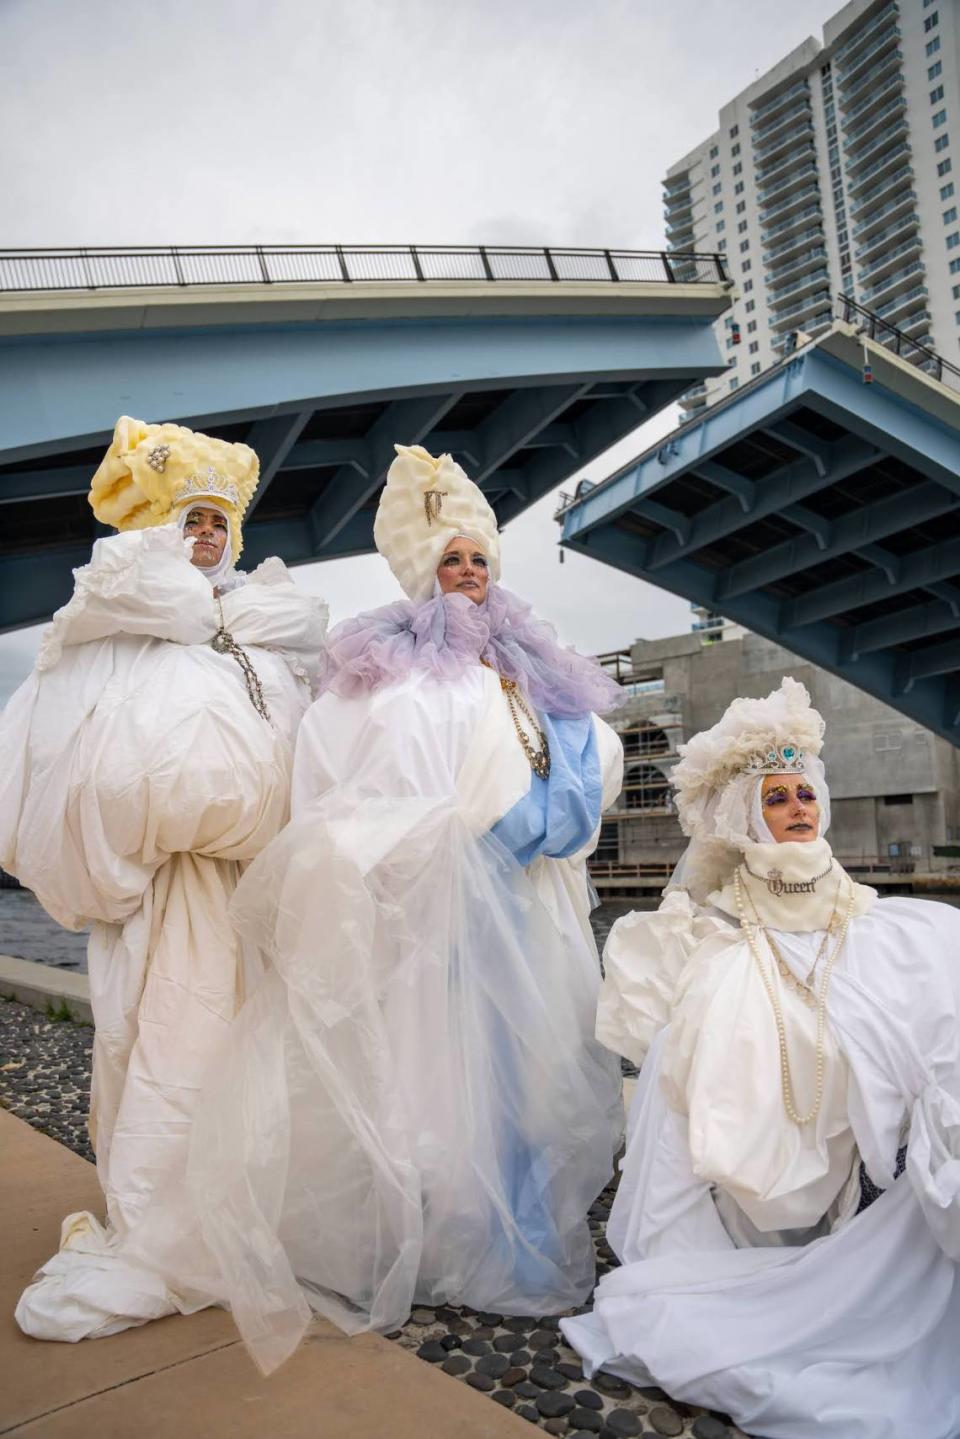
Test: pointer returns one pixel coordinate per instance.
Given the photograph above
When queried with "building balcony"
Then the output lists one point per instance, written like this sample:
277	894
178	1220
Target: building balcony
762	140
863	32
901	304
789	137
782	255
673	213
853	88
786	165
903	204
761	113
883	190
787	182
693	401
889	257
811	211
792	316
682	241
886	38
889	235
891	282
887	161
780	280
892	134
674	183
816	279
892	115
918	322
886	90
799	197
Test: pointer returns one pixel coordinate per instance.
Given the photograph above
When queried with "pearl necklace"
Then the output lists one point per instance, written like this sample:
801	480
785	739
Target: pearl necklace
786	1080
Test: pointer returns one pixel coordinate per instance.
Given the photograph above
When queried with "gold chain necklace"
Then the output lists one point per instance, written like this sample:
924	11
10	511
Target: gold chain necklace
224	644
538	759
786	1080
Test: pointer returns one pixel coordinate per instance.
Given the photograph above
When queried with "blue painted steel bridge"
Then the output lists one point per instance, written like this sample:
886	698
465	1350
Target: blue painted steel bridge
820	507
525	364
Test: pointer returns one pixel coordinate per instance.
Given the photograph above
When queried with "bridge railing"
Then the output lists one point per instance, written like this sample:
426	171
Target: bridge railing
874	326
194	265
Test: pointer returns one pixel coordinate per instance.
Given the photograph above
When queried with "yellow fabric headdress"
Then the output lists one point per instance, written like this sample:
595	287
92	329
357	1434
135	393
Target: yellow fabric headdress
151	471
426	503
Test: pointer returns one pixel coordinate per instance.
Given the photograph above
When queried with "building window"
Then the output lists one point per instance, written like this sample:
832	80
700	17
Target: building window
741	206
936	95
721	226
741	227
747	266
950	215
944	167
755	368
752	326
714	152
738	188
940	118
717	188
748	284
941	143
754	346
933	45
932	20
953	240
734	131
735	150
956	313
718	208
946	191
750	306
734	383
738	168
955	267
935	70
721	244
714	171
730	344
744	246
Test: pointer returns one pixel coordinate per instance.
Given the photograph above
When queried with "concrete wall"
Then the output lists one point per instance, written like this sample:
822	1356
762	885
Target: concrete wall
891	782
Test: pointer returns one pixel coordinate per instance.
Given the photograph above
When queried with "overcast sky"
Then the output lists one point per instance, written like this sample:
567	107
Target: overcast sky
360	121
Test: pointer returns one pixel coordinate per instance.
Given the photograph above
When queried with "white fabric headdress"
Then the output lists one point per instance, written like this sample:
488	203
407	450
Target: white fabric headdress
718	778
425	504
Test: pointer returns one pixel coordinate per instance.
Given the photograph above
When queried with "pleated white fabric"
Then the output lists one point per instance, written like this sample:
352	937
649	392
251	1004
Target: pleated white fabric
138	781
850	1329
411	1105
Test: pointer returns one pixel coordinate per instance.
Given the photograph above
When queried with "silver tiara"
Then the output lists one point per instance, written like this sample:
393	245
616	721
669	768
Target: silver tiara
779	759
210	482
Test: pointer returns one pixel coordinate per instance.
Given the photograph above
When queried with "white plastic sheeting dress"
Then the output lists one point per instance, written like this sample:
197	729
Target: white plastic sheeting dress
411	1106
138	781
851	1328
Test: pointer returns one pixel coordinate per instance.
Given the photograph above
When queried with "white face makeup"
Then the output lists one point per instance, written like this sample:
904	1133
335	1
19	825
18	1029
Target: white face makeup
790	807
210	531
463	570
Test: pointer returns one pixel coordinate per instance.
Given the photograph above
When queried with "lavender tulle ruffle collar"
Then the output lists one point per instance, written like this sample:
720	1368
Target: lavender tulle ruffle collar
449	633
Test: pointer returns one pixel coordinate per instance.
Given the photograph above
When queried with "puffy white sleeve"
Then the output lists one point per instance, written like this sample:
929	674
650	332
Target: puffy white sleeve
643	958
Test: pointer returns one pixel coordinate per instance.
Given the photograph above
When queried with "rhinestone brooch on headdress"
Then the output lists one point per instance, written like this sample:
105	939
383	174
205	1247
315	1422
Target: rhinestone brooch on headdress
158	457
210	483
779	759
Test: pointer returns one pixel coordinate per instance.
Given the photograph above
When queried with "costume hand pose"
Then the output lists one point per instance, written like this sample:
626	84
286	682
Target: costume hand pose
788	1219
147	761
412	1106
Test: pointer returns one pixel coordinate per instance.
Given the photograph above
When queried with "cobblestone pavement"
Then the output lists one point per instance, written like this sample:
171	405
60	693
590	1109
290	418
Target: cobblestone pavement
521	1362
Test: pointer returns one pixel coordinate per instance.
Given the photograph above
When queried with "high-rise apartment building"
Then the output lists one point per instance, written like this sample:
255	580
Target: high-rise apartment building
838	171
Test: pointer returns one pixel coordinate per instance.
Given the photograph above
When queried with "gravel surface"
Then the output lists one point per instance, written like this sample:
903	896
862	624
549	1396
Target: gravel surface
521	1362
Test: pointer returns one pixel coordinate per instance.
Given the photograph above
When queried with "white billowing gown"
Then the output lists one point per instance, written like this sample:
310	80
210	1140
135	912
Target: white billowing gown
754	1279
412	1106
138	781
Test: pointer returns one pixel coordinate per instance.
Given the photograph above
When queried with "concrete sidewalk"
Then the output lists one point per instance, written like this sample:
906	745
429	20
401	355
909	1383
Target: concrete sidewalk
45	987
186	1377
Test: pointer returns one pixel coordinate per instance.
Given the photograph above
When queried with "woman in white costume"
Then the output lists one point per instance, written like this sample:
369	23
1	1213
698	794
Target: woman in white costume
147	761
788	1219
412	1107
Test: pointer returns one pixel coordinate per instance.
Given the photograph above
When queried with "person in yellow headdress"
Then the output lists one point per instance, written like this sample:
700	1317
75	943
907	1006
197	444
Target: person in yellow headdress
149	761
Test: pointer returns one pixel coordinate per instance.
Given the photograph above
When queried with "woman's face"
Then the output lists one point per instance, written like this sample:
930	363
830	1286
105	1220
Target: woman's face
463	570
790	807
211	532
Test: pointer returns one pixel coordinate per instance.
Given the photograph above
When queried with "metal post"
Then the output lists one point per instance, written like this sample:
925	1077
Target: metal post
86	269
486	263
177	268
610	265
264	275
344	272
416	262
550	265
668	268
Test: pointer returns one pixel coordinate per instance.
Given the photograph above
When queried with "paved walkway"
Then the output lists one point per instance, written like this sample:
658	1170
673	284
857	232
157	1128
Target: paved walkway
186	1377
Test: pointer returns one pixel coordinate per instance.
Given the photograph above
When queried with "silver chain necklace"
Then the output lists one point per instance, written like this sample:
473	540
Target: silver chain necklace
779	886
224	644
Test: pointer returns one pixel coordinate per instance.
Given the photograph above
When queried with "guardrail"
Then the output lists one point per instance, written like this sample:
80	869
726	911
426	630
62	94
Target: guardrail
185	266
897	341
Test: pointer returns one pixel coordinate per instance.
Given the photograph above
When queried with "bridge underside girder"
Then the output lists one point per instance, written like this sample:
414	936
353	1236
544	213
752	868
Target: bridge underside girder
817	510
521	403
